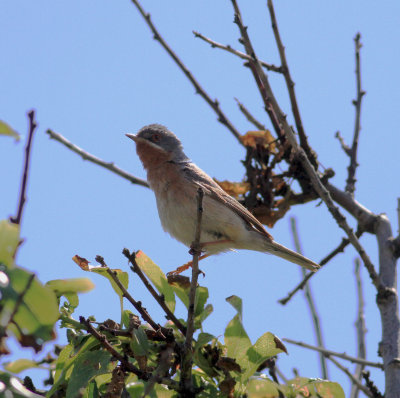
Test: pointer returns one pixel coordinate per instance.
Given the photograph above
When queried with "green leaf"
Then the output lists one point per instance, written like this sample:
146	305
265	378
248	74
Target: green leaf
88	365
265	347
20	365
236	339
72	298
262	388
66	361
9	241
139	342
62	361
313	388
5	129
157	277
74	285
10	386
201	299
236	303
122	276
182	293
202	339
126	318
208	309
199	359
37	311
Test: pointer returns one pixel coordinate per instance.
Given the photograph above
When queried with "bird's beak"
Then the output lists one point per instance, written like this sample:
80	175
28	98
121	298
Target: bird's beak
132	137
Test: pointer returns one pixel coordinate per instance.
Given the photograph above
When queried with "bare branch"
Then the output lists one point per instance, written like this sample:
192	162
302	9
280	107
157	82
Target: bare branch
137	304
290	87
214	104
335	354
371	385
125	363
310	301
360	328
339	249
186	363
351	180
231	50
106	344
363	388
160	300
366	219
91	158
249	116
24	180
345	147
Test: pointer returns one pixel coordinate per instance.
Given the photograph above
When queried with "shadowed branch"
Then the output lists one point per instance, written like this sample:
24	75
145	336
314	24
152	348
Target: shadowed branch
310	300
91	158
22	196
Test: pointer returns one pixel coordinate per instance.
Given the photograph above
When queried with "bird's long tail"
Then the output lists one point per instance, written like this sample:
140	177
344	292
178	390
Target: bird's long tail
283	252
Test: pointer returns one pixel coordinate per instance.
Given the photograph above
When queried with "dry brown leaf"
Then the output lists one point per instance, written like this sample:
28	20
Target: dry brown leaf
234	189
82	262
279	344
259	137
179	280
228	364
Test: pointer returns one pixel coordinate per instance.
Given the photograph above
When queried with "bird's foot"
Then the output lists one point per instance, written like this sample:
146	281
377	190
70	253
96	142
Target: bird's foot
186	266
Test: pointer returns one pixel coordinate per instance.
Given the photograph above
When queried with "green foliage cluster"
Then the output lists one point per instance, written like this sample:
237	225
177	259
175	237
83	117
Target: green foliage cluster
84	367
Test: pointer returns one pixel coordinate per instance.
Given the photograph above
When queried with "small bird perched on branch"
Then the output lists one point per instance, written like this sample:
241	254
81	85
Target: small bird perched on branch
175	179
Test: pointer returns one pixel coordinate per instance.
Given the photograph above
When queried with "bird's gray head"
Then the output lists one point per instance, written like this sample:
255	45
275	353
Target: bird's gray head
160	137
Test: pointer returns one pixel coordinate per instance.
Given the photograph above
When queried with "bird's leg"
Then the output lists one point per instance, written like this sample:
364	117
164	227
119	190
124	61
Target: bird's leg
186	266
193	250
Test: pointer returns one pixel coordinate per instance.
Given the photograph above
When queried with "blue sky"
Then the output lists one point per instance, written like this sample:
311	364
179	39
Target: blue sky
93	72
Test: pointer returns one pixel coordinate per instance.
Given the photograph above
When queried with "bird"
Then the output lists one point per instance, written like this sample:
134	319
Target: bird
226	224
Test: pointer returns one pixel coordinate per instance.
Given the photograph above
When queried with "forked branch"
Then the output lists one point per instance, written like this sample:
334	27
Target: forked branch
351	180
214	104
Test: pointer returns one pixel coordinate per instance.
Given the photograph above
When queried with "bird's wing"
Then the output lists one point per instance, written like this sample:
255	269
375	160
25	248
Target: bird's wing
214	191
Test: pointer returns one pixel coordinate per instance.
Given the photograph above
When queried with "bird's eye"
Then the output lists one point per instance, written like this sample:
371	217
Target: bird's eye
156	137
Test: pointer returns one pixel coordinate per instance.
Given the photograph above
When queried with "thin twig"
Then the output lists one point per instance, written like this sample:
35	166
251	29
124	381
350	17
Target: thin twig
249	116
238	53
187	357
345	147
339	249
311	303
258	73
360	329
214	104
160	300
24	180
283	130
335	354
371	385
351	180
106	344
91	158
290	87
137	304
363	388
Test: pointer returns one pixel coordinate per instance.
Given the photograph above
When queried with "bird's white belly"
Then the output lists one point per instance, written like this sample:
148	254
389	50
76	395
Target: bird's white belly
178	215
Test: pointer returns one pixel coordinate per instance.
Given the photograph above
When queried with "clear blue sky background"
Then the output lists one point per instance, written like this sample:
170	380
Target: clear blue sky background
93	72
